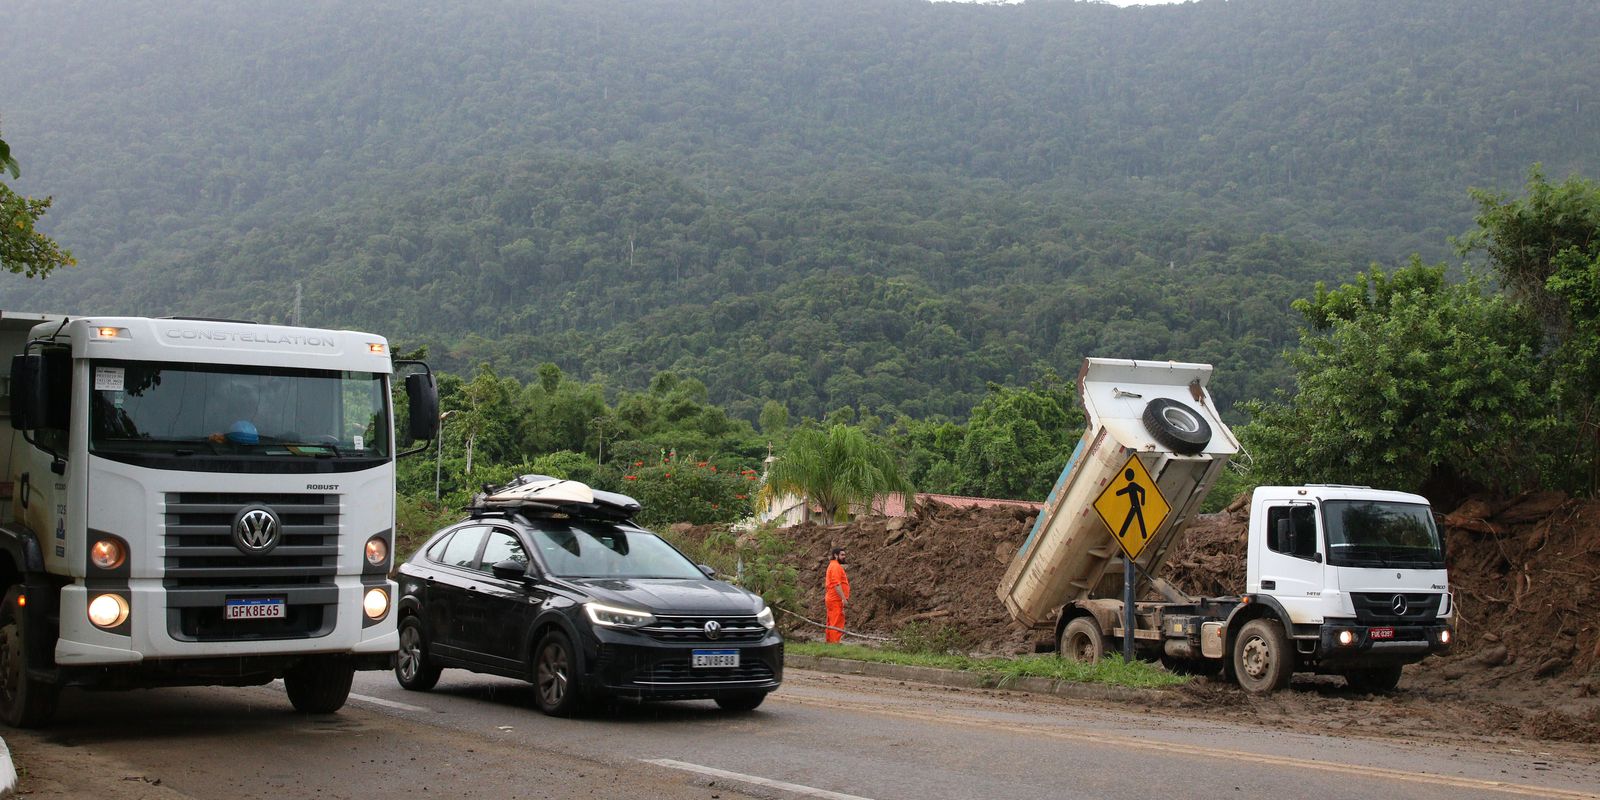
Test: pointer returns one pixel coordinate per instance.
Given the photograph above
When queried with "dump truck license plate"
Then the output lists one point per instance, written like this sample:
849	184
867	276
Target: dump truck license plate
254	609
714	658
1381	633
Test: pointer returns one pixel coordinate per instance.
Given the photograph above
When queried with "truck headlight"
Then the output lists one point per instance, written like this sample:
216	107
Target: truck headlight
614	617
765	618
108	610
377	550
108	553
1444	636
376	603
1347	638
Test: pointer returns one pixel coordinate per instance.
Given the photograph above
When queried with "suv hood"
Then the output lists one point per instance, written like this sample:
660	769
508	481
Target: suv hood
670	595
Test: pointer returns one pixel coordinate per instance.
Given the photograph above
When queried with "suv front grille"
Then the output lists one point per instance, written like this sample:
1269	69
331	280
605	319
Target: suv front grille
693	629
750	670
200	550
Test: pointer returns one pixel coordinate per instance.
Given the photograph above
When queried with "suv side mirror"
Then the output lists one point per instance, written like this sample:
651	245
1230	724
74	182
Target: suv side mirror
509	570
423	395
710	573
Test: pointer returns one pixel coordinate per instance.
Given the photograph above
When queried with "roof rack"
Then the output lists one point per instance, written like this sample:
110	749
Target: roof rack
544	494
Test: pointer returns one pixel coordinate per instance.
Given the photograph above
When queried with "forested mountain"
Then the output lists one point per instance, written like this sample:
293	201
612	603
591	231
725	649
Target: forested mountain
873	203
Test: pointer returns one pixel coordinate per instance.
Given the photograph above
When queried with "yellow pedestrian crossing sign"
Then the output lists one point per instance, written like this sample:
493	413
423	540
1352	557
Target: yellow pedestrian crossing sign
1132	507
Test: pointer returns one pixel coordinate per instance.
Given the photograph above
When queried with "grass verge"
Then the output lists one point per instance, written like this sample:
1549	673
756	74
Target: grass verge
1109	671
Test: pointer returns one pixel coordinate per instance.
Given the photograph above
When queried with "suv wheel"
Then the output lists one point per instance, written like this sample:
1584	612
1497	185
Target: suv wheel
412	666
555	683
742	701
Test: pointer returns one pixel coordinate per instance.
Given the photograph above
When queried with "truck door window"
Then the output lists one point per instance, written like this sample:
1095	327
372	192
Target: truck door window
1299	537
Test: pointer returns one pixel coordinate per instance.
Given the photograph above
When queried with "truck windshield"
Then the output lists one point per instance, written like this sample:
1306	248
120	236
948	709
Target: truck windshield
148	409
1364	533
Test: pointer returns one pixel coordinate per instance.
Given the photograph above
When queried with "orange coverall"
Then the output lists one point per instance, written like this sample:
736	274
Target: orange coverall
835	583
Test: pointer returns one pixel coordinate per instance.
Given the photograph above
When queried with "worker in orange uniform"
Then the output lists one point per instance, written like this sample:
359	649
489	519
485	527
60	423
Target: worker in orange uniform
836	590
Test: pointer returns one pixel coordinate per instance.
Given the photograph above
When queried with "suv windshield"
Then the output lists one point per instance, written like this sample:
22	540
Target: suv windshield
146	408
1364	533
575	548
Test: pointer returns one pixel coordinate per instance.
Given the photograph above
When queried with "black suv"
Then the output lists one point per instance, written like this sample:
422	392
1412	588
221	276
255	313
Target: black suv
550	582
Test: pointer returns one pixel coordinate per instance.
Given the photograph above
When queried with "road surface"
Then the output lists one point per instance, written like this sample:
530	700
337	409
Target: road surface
822	735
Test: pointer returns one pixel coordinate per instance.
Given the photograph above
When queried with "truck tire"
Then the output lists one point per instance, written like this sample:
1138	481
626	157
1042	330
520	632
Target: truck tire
1263	659
1377	680
319	684
413	667
1176	426
25	701
1081	641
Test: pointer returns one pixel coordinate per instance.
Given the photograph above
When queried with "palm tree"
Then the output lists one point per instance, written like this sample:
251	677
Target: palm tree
835	469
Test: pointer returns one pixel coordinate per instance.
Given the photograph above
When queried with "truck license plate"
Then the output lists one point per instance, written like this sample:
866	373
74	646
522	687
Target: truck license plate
254	609
1381	633
714	658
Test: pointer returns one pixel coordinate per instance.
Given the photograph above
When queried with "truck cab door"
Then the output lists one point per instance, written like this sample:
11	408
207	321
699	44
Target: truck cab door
1290	560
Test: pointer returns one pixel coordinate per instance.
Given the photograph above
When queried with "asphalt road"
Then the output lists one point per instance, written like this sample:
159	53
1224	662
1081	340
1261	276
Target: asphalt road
822	735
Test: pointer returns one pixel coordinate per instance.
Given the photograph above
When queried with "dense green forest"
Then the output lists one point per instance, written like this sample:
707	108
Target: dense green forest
882	205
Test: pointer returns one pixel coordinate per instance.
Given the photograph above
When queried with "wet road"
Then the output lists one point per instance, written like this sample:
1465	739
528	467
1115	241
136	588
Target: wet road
822	735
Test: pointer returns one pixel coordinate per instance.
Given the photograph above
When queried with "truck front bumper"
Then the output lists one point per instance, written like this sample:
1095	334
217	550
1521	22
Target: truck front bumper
1345	642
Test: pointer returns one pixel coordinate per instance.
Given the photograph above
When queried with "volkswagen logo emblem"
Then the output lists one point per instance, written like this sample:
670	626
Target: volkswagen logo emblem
713	629
1400	606
256	530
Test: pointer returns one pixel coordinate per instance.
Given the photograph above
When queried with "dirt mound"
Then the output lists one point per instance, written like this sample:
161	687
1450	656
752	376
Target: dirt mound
1524	571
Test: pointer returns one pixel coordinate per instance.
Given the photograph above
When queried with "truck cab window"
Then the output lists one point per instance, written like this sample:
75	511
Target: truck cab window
1298	537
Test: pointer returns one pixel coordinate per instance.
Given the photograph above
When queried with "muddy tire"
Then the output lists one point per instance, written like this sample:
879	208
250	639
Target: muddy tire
1263	659
319	684
25	701
1378	680
1081	641
556	689
1176	426
742	701
413	667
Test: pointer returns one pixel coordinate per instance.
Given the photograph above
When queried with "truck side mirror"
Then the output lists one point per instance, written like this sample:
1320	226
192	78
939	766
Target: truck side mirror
423	395
29	391
1280	536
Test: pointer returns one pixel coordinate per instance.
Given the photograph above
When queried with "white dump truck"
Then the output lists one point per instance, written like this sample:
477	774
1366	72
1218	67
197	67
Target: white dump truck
1344	580
195	502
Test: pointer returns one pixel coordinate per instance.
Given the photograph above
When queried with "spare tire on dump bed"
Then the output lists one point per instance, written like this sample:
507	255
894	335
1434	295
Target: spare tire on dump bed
1176	426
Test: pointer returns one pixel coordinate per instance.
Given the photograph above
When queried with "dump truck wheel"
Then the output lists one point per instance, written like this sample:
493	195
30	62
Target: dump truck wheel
1263	659
1176	426
1379	680
25	701
1081	641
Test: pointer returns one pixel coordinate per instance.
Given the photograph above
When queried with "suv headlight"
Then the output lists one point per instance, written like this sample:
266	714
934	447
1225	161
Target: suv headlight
765	618
614	617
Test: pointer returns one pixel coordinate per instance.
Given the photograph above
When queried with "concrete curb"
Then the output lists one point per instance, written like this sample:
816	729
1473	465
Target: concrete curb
978	680
8	773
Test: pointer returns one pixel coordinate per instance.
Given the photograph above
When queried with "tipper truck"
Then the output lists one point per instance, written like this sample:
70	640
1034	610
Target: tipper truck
195	502
1344	580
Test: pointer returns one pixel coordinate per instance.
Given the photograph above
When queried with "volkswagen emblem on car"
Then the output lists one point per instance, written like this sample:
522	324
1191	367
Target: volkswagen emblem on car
713	629
1400	606
256	530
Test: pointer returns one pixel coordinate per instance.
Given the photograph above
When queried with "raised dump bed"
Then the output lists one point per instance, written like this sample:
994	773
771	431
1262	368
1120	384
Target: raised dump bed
1159	410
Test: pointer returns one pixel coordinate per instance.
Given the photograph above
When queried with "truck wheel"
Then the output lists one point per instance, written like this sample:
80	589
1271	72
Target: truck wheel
556	687
412	667
1176	426
25	701
1262	657
319	684
1081	641
1378	680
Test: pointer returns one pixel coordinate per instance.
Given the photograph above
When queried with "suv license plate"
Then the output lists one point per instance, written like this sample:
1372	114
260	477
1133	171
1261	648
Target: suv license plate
714	658
1381	633
254	609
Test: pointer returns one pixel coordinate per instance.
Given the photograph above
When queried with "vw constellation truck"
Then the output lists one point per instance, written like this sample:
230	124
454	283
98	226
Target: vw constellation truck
195	502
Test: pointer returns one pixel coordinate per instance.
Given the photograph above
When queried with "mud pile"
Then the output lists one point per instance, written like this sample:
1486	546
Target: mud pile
1524	572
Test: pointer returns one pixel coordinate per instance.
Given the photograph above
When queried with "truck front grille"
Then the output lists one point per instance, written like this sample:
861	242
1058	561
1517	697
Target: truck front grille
1379	607
200	551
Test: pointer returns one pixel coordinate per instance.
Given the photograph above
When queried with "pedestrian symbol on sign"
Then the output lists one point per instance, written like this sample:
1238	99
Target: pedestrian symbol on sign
1132	506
